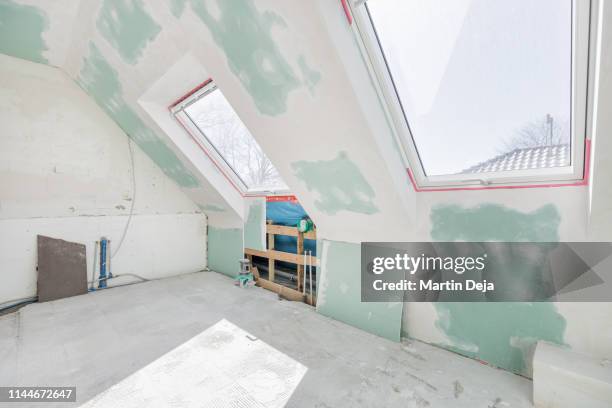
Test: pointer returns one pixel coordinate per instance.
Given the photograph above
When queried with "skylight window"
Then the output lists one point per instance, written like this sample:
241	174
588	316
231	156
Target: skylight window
482	91
225	136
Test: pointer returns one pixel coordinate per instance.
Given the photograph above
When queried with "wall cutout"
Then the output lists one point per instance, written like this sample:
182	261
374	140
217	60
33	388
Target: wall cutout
101	82
127	27
245	36
339	183
225	250
503	334
21	29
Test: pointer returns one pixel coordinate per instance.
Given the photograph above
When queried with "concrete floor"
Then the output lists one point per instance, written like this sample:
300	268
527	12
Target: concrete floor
109	343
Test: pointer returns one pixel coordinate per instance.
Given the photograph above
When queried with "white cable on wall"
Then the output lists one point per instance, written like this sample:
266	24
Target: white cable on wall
127	224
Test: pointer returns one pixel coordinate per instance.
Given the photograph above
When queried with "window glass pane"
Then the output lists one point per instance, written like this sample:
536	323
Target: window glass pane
485	85
220	124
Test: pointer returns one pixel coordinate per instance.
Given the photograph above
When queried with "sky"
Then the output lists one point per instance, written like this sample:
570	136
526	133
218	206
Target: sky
472	73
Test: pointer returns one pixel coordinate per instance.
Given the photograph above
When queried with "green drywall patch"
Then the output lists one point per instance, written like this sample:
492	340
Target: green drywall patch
21	29
101	82
339	296
254	235
177	7
493	222
310	76
339	183
244	35
501	333
225	250
127	27
211	207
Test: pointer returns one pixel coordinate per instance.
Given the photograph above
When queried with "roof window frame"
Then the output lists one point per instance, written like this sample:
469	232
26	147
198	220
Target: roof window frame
178	111
577	173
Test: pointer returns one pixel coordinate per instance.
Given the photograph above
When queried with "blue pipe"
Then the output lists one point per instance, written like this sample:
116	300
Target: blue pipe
102	281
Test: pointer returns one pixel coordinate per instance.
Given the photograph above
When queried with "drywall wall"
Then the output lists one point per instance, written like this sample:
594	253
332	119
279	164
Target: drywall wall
339	292
255	223
225	249
505	334
66	172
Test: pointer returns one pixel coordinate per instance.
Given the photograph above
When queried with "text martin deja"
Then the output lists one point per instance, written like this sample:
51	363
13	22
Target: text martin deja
414	264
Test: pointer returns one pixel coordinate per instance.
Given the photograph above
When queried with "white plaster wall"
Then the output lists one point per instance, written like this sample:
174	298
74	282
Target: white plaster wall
164	72
65	171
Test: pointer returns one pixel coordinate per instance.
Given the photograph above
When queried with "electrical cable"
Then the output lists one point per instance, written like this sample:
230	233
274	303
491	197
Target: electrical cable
23	302
118	276
25	299
127	223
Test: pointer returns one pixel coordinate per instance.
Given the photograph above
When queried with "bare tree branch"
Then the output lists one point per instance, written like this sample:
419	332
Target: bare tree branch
538	134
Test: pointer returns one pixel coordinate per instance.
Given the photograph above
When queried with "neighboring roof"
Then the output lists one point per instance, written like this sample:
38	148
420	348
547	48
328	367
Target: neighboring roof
525	159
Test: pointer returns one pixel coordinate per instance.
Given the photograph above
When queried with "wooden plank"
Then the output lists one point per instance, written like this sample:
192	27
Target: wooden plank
311	234
255	273
290	231
266	284
291	294
271	259
300	268
311	300
283	291
282	230
277	256
255	252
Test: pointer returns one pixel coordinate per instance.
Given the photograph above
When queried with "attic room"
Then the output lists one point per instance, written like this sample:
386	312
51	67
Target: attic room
326	203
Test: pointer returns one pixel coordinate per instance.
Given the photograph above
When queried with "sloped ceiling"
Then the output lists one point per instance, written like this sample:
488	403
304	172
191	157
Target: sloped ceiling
292	72
276	65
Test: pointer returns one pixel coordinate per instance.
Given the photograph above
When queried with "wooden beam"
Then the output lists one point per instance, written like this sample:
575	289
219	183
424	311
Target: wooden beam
290	231
283	291
277	255
311	234
311	300
300	268
270	259
255	252
282	230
